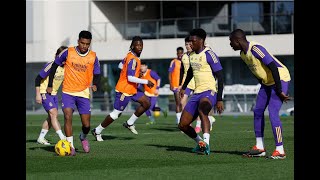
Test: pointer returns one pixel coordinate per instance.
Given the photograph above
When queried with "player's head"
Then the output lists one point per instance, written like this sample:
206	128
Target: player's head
60	49
188	44
237	37
143	67
136	45
197	37
84	41
179	52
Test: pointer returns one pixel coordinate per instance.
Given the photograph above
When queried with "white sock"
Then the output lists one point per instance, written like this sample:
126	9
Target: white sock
259	143
206	137
70	139
198	123
60	134
197	139
83	136
211	119
132	119
43	133
280	149
178	116
99	129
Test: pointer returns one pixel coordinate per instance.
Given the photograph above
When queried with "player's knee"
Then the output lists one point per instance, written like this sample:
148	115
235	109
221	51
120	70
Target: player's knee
85	129
115	114
204	108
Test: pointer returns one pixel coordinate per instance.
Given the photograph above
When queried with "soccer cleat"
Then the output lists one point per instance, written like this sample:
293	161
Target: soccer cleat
277	155
197	129
72	152
97	136
165	113
212	120
132	128
43	141
196	149
255	152
204	147
150	123
85	145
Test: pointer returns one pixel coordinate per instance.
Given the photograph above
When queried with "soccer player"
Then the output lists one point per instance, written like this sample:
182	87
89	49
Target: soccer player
126	90
151	93
191	85
205	67
49	101
82	72
274	78
175	79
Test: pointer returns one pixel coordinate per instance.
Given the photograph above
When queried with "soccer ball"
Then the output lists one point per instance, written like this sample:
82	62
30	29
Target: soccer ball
63	148
156	113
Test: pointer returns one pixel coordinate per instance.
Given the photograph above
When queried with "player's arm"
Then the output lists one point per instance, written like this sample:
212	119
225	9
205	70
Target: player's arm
120	65
42	74
185	68
181	73
60	59
171	68
262	54
217	72
96	75
186	82
131	71
156	77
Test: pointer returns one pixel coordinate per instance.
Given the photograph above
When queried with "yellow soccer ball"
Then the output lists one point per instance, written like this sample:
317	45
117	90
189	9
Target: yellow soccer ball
63	148
156	113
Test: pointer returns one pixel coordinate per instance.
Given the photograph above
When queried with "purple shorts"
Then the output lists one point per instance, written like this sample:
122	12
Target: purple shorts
121	101
82	104
49	101
188	91
193	104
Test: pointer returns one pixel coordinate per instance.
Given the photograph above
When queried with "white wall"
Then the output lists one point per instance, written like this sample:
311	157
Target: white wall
166	48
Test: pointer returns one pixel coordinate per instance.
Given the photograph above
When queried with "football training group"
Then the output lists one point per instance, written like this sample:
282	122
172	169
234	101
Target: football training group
196	80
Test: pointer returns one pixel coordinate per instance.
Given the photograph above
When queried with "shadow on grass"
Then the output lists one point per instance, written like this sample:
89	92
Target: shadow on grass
188	149
172	148
43	147
106	137
168	129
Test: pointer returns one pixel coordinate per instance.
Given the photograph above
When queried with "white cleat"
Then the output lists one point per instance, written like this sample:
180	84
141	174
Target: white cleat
43	141
132	128
97	136
212	120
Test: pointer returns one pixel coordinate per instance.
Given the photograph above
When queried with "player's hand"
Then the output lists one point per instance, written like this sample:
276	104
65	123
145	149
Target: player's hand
284	97
150	84
179	88
49	90
220	107
156	92
181	93
38	99
140	74
94	88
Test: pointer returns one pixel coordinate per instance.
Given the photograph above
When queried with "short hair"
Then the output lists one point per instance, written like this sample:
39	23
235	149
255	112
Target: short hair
85	34
239	33
187	39
199	32
179	48
60	49
143	63
134	39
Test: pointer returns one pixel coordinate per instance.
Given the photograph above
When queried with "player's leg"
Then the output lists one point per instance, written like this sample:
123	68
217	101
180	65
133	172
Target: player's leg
44	130
151	108
47	103
205	105
83	105
211	118
274	107
262	100
120	103
178	105
189	113
53	113
68	105
143	100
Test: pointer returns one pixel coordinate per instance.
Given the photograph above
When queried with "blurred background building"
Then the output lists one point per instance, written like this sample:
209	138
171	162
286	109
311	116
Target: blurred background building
163	25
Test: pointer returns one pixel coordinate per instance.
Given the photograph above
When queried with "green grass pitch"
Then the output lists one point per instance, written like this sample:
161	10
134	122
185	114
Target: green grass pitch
159	151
